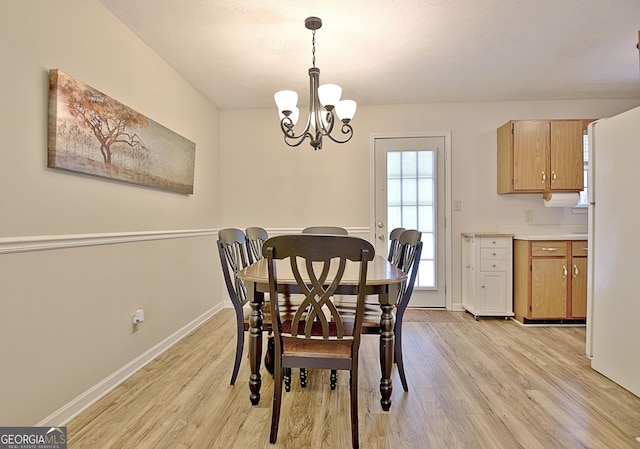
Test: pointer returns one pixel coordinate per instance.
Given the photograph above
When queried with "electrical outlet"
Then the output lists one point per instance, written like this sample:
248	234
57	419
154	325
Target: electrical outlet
528	215
138	317
457	205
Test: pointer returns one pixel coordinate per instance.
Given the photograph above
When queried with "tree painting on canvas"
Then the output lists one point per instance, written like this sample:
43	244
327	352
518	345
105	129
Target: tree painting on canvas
94	134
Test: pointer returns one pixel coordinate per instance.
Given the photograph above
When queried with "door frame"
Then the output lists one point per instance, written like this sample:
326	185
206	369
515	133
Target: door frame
448	287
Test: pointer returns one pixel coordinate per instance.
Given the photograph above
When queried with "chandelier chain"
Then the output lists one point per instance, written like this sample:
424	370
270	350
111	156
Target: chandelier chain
313	47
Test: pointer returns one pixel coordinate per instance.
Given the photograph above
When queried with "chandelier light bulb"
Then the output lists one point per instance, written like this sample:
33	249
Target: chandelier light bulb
346	109
286	100
329	94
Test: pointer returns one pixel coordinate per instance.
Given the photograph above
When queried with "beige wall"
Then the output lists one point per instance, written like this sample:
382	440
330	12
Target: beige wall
287	187
65	313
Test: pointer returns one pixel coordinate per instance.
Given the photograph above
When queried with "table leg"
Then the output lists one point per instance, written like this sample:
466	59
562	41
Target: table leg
255	346
386	354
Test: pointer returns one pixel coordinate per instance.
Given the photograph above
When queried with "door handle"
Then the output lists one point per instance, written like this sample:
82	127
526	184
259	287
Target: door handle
564	272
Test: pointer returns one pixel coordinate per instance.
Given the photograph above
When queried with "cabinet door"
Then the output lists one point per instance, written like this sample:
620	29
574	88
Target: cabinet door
494	294
579	287
567	155
549	288
530	155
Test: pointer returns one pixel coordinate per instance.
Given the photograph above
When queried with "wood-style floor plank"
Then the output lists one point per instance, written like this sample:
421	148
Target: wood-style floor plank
473	384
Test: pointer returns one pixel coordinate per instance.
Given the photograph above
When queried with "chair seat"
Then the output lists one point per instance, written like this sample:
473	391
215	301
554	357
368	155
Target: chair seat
371	317
298	349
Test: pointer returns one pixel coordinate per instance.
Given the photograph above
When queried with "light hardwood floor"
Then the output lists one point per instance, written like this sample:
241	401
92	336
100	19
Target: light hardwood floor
473	384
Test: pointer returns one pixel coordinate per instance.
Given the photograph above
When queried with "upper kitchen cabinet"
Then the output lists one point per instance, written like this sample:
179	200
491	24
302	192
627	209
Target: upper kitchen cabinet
541	156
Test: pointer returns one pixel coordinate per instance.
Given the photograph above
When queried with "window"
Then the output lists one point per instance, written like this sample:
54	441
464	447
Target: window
584	201
411	196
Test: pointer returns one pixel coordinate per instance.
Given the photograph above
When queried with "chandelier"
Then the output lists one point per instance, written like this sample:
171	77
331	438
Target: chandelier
325	106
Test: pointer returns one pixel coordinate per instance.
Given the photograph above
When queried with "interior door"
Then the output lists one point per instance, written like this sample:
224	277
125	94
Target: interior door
409	178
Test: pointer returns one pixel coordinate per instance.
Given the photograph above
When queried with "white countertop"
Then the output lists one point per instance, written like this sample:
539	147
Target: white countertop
576	236
546	232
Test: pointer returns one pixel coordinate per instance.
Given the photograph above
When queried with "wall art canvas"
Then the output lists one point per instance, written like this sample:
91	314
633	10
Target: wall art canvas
94	134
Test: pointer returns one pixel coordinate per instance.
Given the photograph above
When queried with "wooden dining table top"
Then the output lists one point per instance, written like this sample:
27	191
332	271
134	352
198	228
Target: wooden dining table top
379	272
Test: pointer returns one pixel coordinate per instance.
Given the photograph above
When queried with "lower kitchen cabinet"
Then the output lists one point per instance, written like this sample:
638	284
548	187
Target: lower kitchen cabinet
487	284
579	279
550	280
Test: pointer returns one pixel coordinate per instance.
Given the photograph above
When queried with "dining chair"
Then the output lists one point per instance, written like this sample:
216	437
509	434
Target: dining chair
410	244
232	247
256	236
317	335
394	246
329	230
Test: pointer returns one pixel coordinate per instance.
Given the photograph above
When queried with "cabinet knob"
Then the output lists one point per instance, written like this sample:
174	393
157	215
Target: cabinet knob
575	271
554	176
564	272
544	177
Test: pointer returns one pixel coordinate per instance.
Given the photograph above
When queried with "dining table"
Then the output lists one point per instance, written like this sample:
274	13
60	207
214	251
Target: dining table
384	280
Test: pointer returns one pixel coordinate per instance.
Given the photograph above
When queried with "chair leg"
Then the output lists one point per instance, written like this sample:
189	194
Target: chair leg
397	355
268	357
355	440
277	400
303	377
287	379
239	348
333	379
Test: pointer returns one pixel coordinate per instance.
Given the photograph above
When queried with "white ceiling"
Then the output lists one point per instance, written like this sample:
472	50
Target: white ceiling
239	52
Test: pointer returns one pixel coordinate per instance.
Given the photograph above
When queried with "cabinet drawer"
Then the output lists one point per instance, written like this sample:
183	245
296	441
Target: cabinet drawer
493	242
579	248
493	253
548	249
493	265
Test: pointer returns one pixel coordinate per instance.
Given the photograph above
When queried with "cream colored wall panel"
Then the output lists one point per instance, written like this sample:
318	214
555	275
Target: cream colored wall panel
65	324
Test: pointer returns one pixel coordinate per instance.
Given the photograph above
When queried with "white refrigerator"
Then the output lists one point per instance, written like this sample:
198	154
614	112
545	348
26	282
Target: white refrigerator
613	295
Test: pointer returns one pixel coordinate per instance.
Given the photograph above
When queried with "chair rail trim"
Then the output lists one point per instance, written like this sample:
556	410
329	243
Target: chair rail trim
9	245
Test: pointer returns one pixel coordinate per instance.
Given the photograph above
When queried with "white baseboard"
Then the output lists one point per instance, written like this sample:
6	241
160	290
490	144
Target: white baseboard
76	406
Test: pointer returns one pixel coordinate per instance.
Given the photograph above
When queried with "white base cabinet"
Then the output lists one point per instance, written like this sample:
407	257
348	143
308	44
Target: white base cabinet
487	279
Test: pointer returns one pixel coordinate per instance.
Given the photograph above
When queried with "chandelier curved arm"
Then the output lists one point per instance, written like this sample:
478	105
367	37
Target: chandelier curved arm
290	138
347	130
